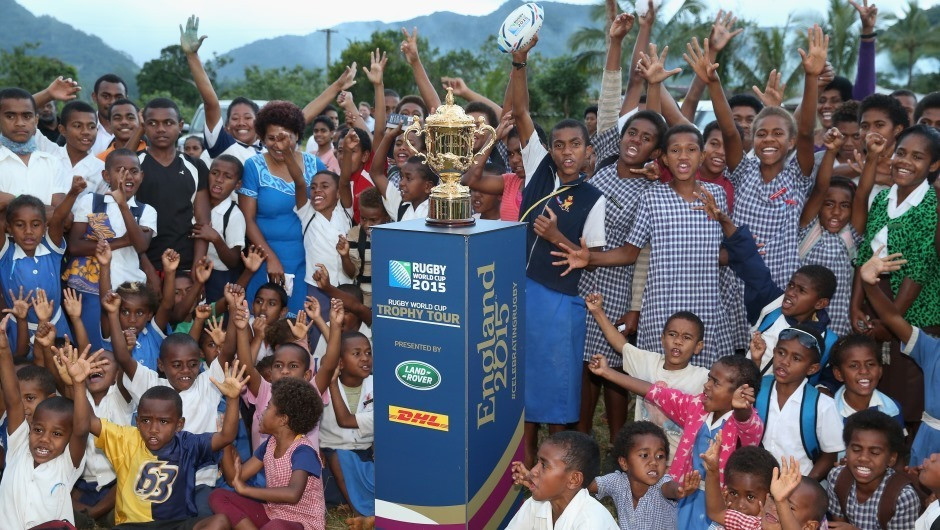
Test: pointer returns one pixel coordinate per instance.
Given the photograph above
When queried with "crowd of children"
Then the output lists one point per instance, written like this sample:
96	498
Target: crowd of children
178	353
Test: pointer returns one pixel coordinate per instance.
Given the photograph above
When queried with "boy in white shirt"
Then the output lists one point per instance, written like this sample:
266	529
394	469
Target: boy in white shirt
683	336
46	455
567	462
226	236
79	126
409	200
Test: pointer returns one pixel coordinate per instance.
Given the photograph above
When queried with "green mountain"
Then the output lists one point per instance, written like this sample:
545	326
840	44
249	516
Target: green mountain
561	20
89	54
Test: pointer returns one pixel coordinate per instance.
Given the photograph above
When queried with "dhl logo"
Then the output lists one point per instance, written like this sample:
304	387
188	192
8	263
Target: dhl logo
428	420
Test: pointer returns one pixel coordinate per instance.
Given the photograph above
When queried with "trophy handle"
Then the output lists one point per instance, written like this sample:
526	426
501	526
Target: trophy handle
482	128
415	127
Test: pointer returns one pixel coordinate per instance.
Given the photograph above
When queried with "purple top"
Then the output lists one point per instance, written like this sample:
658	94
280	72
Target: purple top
865	75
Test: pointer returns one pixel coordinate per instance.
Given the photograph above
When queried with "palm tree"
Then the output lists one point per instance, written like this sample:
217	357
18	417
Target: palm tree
910	37
770	48
843	41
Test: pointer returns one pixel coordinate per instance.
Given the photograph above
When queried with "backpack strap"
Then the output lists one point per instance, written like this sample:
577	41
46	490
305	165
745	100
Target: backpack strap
888	505
762	403
402	208
842	487
310	222
808	420
829	339
97	203
769	319
228	215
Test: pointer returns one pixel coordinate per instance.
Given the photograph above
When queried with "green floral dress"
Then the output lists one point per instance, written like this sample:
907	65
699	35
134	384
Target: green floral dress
911	234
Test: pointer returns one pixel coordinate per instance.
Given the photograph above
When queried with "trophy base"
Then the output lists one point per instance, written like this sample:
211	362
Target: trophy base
450	211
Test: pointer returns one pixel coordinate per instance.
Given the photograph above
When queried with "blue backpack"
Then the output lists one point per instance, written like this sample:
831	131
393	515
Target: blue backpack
829	338
807	413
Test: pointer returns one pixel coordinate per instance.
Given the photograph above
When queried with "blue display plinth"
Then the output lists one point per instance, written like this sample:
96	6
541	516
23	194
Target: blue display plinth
448	335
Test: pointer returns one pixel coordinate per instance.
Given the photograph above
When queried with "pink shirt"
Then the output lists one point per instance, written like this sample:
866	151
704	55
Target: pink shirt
687	411
512	197
261	402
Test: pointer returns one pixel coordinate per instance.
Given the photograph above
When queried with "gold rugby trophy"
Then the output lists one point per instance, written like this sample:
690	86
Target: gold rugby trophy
449	135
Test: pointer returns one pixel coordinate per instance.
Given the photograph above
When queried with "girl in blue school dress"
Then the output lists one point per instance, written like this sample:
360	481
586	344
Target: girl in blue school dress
31	257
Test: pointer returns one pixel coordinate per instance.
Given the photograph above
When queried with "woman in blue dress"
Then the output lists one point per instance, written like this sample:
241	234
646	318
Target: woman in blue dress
267	200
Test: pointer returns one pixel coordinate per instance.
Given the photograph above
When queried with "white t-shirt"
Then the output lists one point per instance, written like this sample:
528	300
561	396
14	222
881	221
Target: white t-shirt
335	437
931	514
649	366
200	405
782	428
43	178
594	231
125	263
102	140
239	151
320	238
320	350
392	201
31	495
89	168
233	234
582	512
117	410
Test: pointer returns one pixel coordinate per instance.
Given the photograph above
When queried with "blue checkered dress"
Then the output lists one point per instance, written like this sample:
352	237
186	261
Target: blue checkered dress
865	515
830	252
652	512
615	283
772	211
683	268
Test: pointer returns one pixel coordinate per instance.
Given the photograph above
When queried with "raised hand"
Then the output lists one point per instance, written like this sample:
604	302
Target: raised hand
171	260
111	303
456	84
203	311
235	380
598	365
710	206
259	324
620	26
833	140
45	334
772	96
312	308
689	484
506	123
868	14
321	276
876	266
827	75
43	306
650	171
521	476
785	479
743	398
409	46
814	61
190	40
652	67
78	186
63	89
77	366
875	144
254	258
710	457
240	315
300	326
117	193
697	57
103	252
283	144
130	337
203	268
337	311
215	327
594	302
347	79
574	258
758	347
20	308
647	18
376	67
723	30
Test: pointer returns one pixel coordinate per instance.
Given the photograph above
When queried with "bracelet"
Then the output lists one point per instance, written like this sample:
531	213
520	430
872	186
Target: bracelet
871	35
518	66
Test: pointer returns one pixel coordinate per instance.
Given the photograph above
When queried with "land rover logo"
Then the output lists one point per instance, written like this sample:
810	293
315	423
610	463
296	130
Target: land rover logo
418	375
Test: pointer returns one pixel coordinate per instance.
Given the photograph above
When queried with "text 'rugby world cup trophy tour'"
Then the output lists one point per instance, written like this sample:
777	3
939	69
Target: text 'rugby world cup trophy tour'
449	308
449	135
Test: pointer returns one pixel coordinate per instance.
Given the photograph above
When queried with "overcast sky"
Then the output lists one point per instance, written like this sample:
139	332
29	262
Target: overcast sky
143	28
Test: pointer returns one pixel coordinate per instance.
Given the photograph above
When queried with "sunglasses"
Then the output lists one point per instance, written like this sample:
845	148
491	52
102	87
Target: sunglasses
807	340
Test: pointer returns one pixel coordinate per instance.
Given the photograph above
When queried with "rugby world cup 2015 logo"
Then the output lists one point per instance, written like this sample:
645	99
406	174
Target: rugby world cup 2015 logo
399	274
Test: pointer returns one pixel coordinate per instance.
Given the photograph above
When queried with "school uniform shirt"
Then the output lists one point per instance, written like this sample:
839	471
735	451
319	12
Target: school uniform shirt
117	410
260	403
878	401
102	140
220	142
89	168
42	178
125	262
154	486
335	437
146	350
782	428
171	191
39	271
31	495
582	512
310	510
200	406
652	511
320	349
931	515
392	202
233	234
924	349
650	366
320	238
865	515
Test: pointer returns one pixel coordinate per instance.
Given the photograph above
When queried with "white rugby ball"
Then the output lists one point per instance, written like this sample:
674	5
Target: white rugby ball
520	27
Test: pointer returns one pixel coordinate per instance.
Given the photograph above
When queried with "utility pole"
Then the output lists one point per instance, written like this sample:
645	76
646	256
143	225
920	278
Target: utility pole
329	33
